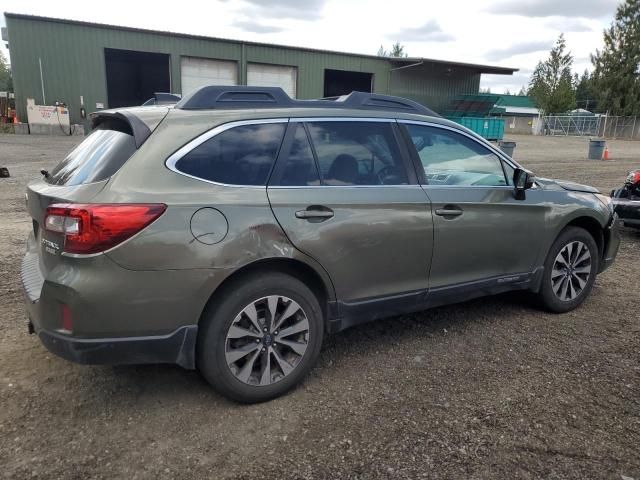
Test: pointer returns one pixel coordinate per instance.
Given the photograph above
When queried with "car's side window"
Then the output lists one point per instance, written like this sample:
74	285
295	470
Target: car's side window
357	153
450	158
299	165
241	155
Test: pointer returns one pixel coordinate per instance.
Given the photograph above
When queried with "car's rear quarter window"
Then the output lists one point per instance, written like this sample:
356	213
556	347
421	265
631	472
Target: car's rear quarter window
242	155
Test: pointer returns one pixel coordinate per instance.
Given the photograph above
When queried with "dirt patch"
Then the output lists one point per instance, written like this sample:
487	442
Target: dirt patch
492	388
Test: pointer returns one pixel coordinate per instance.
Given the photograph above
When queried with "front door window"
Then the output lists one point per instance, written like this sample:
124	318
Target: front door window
450	158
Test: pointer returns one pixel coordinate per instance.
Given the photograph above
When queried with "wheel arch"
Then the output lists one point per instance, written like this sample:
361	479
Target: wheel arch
595	229
582	219
319	284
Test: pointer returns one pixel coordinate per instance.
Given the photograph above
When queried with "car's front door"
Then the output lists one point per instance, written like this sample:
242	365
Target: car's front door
347	195
483	236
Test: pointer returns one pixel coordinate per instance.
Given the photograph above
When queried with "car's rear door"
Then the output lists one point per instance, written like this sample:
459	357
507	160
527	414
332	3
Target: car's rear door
346	194
483	236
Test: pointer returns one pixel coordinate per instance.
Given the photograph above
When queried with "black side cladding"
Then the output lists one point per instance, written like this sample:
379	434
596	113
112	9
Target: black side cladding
214	97
177	347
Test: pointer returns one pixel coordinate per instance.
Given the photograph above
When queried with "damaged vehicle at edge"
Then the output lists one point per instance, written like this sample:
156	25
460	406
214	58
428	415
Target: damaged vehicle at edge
626	200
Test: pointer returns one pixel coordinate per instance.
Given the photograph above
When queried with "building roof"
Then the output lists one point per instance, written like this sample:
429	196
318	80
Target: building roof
516	110
477	105
399	61
520	101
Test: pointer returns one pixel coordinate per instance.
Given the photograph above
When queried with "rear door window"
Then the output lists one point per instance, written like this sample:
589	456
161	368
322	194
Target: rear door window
357	153
297	165
97	158
241	155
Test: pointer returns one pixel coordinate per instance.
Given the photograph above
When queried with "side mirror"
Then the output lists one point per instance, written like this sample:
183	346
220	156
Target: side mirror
522	180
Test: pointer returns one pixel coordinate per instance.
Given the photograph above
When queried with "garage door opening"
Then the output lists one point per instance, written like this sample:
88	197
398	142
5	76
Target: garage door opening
133	77
263	75
343	82
197	72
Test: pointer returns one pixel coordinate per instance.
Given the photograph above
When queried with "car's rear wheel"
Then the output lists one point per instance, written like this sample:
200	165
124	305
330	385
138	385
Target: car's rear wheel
569	271
260	337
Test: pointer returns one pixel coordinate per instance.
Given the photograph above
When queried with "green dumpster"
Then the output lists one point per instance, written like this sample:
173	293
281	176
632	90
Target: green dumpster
489	128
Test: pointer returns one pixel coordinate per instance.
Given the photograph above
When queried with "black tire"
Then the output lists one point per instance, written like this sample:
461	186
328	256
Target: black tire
547	297
219	316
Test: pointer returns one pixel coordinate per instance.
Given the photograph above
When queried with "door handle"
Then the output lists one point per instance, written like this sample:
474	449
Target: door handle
448	212
315	213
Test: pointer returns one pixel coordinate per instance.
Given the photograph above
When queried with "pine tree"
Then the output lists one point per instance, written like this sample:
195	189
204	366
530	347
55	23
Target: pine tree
585	95
616	76
551	85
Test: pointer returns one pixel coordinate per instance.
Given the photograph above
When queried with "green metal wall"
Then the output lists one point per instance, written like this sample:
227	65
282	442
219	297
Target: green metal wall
73	64
433	85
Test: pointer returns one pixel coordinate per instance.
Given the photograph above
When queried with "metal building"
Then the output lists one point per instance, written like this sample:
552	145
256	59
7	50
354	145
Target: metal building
91	66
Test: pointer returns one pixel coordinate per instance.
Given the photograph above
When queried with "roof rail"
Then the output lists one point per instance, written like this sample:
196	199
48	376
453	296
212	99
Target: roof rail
231	97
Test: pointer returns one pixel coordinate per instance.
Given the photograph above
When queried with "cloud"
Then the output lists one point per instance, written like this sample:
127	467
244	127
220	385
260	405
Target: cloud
429	32
550	8
295	9
498	83
566	24
256	27
517	49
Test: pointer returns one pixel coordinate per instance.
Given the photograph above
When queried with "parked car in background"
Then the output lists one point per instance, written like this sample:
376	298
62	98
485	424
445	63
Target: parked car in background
626	200
232	232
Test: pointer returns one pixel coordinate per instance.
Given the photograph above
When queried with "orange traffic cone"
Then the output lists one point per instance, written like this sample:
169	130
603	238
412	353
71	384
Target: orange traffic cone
606	153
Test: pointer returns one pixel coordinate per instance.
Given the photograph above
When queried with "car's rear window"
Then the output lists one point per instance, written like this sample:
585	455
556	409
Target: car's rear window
97	158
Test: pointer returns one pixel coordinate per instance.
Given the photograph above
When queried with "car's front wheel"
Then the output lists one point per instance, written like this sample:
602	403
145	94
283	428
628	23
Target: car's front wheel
569	271
261	336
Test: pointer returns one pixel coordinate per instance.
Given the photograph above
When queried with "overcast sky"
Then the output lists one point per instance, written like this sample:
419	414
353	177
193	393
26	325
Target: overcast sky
511	33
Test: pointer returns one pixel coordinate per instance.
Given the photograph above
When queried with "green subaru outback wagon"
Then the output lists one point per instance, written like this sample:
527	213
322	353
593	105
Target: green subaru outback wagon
232	232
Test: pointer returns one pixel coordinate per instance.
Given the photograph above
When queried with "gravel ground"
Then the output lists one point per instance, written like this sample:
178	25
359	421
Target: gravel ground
491	388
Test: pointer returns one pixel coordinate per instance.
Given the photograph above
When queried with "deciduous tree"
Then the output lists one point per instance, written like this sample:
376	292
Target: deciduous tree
6	83
397	50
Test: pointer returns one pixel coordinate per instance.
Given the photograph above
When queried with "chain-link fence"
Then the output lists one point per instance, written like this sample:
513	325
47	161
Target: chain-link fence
591	126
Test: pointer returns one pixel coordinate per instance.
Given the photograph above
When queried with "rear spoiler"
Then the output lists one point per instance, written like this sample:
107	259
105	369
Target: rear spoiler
142	121
162	98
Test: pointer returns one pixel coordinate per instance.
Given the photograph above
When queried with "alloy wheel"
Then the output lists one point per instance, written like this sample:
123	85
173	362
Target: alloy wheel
571	271
267	340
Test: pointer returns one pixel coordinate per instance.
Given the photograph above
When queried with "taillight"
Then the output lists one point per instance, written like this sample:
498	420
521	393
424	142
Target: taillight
96	228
